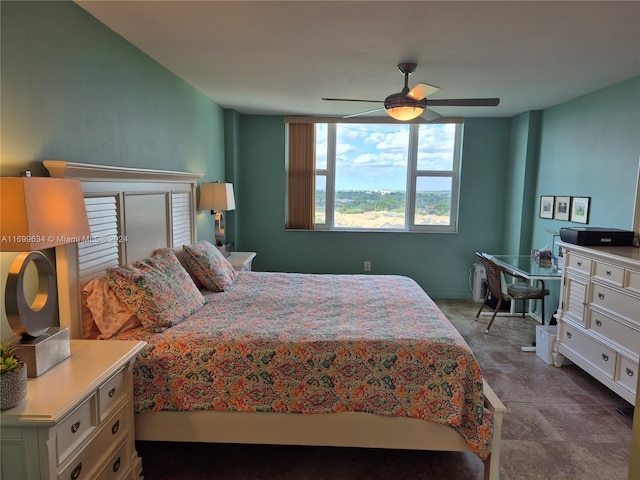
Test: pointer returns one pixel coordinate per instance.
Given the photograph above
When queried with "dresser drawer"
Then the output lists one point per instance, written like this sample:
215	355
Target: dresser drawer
632	282
117	466
110	393
609	273
75	427
615	331
628	374
601	357
615	301
111	432
582	264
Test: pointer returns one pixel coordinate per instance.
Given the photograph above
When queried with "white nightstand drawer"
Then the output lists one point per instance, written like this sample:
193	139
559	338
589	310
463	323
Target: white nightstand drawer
601	357
615	331
76	426
111	433
628	374
582	264
615	301
608	272
117	466
110	393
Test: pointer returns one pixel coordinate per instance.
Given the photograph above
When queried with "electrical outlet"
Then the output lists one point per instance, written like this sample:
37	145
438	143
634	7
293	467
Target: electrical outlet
367	266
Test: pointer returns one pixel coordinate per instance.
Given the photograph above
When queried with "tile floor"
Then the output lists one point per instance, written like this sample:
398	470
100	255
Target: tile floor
561	425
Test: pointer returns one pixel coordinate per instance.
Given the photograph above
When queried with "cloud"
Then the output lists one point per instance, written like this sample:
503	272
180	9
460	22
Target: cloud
343	149
394	141
375	156
435	146
377	160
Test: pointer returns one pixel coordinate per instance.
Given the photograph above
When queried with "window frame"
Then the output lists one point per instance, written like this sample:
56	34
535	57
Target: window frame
413	174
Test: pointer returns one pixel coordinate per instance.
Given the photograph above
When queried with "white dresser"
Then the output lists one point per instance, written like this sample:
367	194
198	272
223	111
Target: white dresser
77	420
599	315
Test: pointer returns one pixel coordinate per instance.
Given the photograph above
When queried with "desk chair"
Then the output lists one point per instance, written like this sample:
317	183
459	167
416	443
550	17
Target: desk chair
498	287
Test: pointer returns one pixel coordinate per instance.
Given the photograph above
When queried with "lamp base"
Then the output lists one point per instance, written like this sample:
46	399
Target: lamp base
225	249
41	353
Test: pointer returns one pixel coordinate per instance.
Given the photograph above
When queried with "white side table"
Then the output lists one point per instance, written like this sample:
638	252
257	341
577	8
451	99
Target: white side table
77	419
241	261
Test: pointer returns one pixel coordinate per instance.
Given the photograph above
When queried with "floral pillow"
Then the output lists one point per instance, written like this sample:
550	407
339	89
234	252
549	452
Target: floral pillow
181	256
157	289
209	266
107	312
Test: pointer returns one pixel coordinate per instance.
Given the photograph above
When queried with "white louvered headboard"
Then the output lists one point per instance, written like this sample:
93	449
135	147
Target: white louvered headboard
131	213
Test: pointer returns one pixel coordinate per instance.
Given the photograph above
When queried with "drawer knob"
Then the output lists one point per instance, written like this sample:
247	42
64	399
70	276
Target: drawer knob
75	427
579	263
115	427
605	357
608	272
599	323
601	295
629	372
112	392
75	473
568	334
116	465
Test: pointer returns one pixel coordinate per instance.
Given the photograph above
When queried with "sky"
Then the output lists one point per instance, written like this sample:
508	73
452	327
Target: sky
374	157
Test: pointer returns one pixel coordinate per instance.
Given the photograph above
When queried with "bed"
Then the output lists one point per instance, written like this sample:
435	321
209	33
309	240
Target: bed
276	358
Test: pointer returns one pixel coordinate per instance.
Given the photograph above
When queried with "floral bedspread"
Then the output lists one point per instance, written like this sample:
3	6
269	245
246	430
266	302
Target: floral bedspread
286	342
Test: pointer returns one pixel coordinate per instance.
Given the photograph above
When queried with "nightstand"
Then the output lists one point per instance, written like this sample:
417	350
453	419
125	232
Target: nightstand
77	419
241	261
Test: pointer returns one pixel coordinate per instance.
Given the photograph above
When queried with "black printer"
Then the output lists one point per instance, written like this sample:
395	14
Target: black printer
596	236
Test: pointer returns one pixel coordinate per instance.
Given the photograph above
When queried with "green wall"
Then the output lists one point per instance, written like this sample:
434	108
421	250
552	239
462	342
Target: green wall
520	187
588	146
71	89
439	262
591	147
74	90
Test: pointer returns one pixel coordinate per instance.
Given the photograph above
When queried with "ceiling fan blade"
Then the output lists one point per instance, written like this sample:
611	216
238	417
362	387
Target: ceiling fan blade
422	90
351	100
464	102
363	113
429	115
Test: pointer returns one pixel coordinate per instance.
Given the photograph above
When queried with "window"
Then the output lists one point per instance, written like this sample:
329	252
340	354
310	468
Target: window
387	177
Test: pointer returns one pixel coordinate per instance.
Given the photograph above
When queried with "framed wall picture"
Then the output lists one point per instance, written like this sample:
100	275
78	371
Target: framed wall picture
580	209
561	210
546	206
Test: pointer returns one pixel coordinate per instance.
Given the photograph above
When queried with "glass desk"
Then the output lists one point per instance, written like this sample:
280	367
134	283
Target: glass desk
525	266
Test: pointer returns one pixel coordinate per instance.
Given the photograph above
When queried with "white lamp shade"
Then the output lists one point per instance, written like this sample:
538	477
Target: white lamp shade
217	196
41	212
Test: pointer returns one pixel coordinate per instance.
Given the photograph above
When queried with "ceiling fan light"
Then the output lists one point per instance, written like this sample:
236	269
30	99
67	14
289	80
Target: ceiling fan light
404	113
403	108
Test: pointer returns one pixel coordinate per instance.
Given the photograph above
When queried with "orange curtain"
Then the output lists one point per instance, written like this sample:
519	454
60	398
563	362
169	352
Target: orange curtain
301	176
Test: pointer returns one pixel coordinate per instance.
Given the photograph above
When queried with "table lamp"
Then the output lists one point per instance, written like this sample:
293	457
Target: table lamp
38	213
218	197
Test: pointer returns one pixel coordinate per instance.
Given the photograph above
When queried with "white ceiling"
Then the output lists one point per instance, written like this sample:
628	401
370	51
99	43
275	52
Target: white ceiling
268	57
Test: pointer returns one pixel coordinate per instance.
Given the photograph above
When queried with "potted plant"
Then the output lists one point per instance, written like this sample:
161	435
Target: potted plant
13	378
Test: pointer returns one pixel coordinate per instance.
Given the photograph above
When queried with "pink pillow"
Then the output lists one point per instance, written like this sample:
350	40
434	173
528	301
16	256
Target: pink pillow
108	313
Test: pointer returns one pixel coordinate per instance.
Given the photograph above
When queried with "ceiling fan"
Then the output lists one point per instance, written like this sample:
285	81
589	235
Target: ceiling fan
411	103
